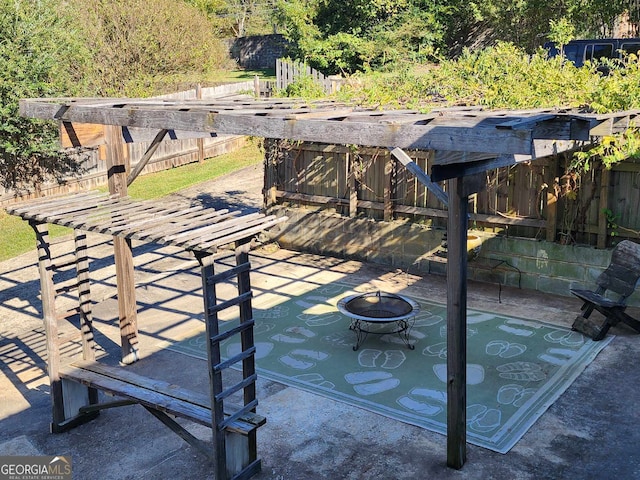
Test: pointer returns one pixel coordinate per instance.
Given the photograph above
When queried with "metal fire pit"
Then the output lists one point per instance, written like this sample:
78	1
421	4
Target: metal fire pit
368	311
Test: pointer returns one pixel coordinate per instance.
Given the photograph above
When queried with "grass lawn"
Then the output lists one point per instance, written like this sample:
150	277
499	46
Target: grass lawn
175	83
16	236
243	75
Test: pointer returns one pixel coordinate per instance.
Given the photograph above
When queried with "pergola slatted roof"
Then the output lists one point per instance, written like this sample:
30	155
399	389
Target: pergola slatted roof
471	130
192	228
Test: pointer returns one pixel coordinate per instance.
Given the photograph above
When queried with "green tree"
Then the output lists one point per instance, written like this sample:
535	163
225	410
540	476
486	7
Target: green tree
338	36
526	22
597	18
238	18
561	32
37	59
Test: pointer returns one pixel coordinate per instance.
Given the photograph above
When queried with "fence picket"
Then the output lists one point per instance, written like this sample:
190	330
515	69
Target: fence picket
288	72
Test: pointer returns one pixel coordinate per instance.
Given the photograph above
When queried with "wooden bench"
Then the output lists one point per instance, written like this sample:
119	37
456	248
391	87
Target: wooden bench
481	269
161	399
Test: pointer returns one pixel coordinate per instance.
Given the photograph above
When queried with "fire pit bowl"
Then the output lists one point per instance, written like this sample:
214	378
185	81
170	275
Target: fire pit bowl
368	309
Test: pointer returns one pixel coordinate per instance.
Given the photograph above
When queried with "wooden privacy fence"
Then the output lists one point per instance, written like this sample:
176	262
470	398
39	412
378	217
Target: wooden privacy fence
534	200
169	154
287	72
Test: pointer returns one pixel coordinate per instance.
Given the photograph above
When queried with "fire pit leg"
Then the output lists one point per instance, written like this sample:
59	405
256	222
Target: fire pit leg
404	329
360	334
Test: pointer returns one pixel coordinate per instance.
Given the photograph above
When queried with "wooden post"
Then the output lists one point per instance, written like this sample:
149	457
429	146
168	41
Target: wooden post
213	355
256	86
353	190
605	179
47	291
246	315
457	324
117	166
552	199
388	188
84	296
271	151
200	141
247	341
66	397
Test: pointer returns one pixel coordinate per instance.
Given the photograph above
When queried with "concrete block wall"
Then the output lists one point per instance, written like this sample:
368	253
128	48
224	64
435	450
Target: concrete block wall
530	264
260	51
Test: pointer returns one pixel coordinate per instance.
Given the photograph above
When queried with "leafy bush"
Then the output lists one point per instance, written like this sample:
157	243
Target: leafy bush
37	59
54	48
304	87
133	42
506	77
338	36
503	76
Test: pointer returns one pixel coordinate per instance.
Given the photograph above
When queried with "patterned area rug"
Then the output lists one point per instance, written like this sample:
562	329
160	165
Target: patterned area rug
516	368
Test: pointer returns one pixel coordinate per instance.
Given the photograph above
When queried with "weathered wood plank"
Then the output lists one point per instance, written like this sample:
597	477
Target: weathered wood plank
213	237
422	177
183	238
144	396
268	222
425	211
163	387
46	203
102	219
81	135
52	215
434	137
137	212
193	227
159	219
188	221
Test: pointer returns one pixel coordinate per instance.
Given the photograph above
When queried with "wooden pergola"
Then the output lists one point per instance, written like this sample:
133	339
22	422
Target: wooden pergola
466	142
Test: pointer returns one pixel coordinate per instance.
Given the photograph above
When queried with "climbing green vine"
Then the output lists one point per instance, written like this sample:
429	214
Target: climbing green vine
611	150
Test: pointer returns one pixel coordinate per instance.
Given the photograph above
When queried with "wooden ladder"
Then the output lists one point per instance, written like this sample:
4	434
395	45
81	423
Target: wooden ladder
235	451
67	397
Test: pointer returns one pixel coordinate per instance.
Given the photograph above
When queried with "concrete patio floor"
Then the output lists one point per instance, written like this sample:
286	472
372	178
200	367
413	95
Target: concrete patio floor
590	432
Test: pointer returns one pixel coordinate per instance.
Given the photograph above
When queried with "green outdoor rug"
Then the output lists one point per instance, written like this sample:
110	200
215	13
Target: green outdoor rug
516	368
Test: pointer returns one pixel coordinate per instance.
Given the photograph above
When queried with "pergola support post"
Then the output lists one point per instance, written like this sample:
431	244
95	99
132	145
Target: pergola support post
457	323
117	167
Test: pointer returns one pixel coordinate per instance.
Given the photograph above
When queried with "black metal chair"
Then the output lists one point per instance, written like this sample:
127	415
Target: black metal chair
615	284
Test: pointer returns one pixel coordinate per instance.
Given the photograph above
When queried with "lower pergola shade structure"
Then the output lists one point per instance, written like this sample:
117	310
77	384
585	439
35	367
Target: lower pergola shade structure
75	386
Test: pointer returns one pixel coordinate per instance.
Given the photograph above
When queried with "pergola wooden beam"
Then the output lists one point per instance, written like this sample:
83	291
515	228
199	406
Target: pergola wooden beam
147	156
478	132
422	177
466	141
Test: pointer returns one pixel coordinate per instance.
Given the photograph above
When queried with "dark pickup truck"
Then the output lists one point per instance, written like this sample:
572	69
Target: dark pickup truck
580	51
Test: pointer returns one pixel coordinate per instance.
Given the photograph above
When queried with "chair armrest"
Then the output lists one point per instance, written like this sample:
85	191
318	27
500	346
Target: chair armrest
597	299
